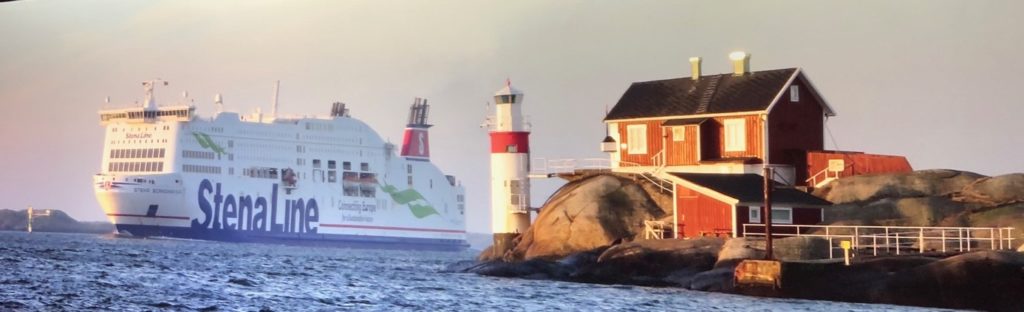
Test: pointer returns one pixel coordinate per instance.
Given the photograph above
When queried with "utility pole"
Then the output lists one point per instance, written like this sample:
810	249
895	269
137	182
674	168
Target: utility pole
767	212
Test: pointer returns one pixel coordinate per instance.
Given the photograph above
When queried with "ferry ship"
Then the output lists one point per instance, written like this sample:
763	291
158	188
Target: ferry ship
167	172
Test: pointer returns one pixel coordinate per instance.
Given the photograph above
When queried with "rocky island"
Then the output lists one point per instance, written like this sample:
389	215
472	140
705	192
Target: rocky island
592	230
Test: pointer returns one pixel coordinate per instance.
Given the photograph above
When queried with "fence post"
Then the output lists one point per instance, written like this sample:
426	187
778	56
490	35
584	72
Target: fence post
960	238
888	249
856	237
897	243
943	241
874	244
968	240
992	237
920	240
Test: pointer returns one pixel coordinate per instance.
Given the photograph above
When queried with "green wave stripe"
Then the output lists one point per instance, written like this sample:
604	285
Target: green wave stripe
408	197
206	142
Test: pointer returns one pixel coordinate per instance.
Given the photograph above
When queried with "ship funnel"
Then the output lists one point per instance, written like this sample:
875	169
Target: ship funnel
415	141
338	110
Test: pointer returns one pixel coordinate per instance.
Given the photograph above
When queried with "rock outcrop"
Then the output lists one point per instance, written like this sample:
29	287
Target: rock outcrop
57	221
927	198
587	214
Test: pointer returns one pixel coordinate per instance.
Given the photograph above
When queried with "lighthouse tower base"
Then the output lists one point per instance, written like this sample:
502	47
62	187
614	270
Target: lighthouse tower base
503	243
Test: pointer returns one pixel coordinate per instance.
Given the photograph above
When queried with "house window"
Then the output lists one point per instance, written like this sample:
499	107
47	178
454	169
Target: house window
735	135
678	134
637	139
782	215
794	93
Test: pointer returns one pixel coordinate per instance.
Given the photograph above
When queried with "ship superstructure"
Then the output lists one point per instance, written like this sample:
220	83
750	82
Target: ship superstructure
332	179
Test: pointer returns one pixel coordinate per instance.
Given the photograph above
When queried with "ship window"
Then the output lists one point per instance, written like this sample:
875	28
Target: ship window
364	166
346	165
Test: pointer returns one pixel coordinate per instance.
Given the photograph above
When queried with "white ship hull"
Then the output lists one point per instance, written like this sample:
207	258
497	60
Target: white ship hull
296	181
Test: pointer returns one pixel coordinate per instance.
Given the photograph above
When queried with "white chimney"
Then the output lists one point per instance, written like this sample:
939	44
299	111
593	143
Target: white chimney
695	67
740	63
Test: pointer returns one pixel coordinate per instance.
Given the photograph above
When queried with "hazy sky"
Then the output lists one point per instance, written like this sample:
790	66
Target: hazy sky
936	81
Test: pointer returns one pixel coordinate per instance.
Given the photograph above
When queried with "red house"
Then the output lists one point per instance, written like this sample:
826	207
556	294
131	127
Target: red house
711	136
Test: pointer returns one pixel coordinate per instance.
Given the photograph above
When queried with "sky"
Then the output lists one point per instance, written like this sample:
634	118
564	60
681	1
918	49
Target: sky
935	81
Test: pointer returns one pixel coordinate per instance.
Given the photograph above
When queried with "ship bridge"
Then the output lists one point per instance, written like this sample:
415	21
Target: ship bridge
148	112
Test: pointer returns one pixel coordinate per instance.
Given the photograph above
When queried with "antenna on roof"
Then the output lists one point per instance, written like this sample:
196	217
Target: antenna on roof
219	101
273	108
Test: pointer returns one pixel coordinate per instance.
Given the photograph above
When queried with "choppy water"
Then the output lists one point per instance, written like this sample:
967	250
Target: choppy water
46	271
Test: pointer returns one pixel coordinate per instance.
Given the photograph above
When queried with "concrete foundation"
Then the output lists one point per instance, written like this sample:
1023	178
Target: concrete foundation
503	242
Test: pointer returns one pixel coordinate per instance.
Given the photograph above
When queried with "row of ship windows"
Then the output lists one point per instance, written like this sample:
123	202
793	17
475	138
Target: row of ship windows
137	153
131	129
198	154
331	164
201	169
152	166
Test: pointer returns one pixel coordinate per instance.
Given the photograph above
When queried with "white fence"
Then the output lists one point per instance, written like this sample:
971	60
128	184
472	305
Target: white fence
875	240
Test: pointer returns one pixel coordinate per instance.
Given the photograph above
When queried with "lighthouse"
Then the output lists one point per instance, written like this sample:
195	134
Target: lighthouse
510	166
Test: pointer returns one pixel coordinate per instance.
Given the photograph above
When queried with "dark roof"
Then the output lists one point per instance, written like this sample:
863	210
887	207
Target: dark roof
749	188
684	121
724	93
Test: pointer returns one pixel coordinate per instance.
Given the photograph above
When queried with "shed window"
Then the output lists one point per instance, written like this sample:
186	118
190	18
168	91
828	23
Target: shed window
794	93
735	135
679	134
781	215
637	139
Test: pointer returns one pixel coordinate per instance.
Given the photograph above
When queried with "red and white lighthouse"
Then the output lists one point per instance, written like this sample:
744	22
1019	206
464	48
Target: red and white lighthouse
510	166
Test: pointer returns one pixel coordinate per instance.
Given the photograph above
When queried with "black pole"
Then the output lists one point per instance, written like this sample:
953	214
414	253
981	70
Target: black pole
767	212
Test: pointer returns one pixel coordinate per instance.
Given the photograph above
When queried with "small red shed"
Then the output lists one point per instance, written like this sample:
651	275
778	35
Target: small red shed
720	204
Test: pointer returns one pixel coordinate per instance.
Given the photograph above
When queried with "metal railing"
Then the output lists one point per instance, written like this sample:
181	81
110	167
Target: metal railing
813	180
548	167
895	240
656	229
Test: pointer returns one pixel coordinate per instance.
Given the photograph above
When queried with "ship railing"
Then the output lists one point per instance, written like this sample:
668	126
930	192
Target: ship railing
894	240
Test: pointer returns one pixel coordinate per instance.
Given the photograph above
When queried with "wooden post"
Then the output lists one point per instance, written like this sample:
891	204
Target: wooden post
767	212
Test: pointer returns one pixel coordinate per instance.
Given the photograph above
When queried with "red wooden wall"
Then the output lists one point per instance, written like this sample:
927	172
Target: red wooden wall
802	216
684	152
700	215
654	142
794	129
861	163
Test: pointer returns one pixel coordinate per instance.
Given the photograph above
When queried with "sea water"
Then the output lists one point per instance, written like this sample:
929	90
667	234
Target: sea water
76	272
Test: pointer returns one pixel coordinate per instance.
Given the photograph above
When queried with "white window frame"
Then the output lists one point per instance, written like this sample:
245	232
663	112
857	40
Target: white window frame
794	93
679	134
636	139
754	215
735	134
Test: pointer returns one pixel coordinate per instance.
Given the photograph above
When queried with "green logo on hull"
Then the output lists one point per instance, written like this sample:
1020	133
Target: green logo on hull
417	204
206	142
